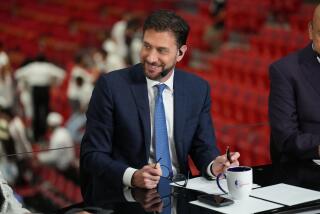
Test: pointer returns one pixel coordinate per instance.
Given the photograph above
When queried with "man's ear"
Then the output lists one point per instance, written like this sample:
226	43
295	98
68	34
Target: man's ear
310	30
181	52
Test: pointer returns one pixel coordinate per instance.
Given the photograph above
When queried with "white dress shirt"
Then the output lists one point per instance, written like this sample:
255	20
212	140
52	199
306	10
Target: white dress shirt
168	101
168	107
318	58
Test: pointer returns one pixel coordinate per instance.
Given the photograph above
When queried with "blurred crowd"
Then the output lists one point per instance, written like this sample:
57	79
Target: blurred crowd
42	105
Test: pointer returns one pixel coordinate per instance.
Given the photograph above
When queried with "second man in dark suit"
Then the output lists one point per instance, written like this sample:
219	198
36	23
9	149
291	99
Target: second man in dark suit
294	104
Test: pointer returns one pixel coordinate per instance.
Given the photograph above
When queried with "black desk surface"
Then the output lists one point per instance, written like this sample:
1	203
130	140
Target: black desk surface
305	174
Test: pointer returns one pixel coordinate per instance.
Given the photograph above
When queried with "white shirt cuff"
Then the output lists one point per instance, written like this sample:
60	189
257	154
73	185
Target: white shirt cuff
127	176
209	172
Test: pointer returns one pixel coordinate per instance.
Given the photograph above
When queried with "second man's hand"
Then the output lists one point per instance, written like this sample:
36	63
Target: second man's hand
148	177
221	163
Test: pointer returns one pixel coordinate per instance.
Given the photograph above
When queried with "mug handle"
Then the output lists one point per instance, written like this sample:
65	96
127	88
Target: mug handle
218	182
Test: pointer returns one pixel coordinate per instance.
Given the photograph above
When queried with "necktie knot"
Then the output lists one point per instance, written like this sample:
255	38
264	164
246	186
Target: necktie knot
160	88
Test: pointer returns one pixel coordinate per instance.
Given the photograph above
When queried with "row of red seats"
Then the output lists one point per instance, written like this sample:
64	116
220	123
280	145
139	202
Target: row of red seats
246	69
28	35
247	16
55	199
237	102
61	27
98	5
68	26
138	5
199	25
299	20
240	104
278	41
61	185
239	91
251	140
285	6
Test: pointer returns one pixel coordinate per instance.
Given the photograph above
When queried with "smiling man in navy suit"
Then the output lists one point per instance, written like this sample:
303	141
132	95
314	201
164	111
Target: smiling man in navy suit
119	148
294	104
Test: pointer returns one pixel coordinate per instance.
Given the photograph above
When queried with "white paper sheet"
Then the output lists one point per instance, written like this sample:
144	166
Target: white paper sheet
317	161
249	205
207	186
286	194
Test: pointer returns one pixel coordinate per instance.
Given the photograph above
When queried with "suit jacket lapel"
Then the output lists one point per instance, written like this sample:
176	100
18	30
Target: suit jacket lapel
179	114
140	93
310	67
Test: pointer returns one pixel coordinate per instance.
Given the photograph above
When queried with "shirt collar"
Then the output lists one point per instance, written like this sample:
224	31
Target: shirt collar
168	83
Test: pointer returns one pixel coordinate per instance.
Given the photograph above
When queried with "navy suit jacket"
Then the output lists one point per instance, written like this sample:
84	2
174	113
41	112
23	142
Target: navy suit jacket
118	133
294	106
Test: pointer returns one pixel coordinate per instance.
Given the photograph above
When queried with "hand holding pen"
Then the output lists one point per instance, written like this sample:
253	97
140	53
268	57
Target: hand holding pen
158	161
223	162
147	177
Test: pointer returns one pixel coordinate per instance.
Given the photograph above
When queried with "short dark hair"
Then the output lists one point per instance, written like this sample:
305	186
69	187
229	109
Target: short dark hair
165	20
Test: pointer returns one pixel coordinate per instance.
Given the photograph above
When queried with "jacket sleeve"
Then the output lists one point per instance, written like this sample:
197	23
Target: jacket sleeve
204	149
98	169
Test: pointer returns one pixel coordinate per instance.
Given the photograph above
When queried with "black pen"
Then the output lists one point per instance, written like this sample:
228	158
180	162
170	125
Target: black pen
228	154
155	165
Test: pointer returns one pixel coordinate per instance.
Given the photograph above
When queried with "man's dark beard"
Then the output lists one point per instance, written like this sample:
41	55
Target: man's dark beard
162	74
165	72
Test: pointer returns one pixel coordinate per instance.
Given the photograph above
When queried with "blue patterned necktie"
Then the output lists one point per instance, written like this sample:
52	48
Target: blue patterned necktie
161	134
164	190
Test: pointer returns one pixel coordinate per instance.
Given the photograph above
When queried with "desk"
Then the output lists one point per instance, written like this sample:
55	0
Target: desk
306	174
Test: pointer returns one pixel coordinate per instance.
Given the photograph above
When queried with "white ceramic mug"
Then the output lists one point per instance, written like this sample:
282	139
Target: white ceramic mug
239	181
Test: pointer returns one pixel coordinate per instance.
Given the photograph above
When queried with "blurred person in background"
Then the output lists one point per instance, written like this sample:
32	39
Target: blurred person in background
79	93
21	144
118	34
8	169
6	80
122	42
114	60
8	165
294	101
214	34
35	80
80	77
133	36
77	120
4	58
61	156
99	57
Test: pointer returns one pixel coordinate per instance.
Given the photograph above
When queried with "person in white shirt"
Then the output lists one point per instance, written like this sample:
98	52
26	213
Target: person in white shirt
77	120
6	80
114	60
60	138
20	143
80	79
36	78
